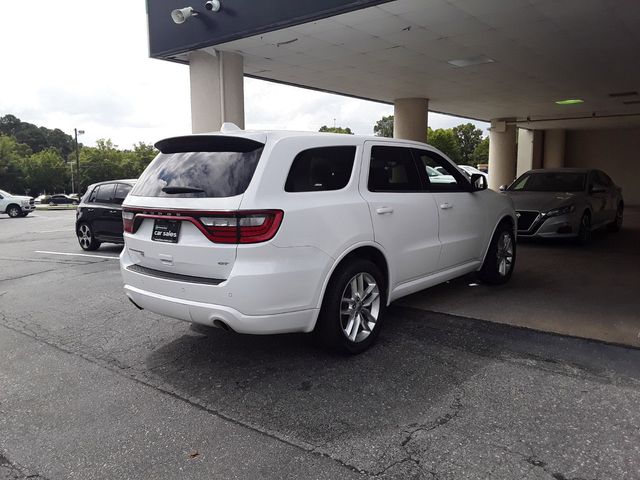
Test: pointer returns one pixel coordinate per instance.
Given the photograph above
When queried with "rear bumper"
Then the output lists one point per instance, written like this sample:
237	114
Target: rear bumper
210	314
269	290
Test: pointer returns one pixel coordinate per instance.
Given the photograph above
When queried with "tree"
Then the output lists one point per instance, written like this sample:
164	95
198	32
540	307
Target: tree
12	156
481	153
346	130
384	127
445	141
468	138
100	163
46	171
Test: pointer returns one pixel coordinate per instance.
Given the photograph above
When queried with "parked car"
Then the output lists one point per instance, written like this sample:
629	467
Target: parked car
565	202
62	199
16	205
42	199
99	215
471	170
273	232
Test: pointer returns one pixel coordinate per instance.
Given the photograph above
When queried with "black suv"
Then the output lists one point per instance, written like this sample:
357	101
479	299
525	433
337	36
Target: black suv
99	215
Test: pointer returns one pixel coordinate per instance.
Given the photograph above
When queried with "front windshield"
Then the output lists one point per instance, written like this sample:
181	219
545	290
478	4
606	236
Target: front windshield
550	182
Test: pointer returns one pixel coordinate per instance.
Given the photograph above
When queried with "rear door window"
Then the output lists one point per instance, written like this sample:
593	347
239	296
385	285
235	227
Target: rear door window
321	169
392	169
105	193
200	167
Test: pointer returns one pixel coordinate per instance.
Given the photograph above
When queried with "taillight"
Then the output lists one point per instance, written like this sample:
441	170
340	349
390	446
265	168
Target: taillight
248	226
243	227
127	221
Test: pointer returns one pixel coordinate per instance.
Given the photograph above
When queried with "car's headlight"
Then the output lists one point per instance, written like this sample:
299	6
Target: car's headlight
25	202
560	211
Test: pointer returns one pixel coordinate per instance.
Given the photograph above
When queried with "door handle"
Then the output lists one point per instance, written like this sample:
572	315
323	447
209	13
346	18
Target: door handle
446	206
90	209
113	211
384	210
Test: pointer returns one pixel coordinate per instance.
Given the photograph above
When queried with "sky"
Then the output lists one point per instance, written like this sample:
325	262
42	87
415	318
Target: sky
85	64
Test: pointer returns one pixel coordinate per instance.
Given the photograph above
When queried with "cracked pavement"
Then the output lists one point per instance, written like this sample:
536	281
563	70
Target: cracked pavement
90	387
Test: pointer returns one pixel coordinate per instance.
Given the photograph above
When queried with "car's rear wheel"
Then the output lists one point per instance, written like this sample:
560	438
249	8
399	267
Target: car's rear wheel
616	225
501	258
14	211
86	239
352	308
584	230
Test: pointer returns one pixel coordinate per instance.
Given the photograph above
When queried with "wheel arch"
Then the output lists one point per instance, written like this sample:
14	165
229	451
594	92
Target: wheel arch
367	250
504	218
6	210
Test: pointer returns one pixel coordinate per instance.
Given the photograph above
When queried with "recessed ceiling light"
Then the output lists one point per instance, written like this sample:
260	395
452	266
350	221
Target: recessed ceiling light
468	62
569	101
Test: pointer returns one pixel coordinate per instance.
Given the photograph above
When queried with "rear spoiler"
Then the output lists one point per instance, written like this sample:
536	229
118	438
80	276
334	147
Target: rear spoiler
207	143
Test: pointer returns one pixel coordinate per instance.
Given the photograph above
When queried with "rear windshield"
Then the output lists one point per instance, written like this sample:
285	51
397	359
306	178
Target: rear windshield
198	174
550	182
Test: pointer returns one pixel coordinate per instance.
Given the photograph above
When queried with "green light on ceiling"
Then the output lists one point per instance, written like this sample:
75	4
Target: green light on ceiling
570	101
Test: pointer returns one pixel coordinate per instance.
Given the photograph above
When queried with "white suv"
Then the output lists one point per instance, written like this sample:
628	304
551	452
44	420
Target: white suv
16	205
274	232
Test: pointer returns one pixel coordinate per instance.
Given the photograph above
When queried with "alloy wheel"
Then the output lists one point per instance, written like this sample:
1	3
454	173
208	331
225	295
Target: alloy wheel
84	236
504	256
360	307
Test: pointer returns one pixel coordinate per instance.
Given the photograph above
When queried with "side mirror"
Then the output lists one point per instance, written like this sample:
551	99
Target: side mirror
478	182
503	188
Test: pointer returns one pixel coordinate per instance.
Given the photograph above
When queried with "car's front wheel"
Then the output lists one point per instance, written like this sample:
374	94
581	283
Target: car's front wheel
14	211
501	257
616	225
86	239
353	308
584	230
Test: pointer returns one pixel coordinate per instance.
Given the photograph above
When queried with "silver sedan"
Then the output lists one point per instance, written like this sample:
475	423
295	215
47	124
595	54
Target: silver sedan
565	202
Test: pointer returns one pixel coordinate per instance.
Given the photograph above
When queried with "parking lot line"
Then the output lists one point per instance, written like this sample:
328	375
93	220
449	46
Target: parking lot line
111	257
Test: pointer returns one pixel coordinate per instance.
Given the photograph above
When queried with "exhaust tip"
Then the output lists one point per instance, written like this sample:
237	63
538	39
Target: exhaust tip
220	324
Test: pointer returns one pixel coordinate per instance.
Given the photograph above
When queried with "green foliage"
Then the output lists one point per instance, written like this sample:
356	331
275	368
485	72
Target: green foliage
384	127
45	171
468	139
32	159
481	153
12	155
445	141
346	130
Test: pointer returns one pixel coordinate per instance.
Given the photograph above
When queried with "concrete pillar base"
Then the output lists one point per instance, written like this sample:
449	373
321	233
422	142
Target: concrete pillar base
217	90
410	116
502	153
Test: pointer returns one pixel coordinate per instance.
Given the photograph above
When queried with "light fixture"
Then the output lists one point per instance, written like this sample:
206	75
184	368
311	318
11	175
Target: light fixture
213	5
569	101
469	62
180	15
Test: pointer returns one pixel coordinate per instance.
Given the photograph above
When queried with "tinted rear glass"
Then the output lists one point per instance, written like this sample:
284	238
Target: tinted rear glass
217	174
321	169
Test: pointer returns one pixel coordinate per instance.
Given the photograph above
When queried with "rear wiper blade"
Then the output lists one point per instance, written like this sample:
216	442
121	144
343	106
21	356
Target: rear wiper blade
172	190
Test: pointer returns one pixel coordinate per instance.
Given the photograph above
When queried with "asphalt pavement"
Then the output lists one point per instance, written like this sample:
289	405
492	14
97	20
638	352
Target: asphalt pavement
92	388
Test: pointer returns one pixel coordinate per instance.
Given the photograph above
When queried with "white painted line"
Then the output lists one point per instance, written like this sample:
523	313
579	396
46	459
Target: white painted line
111	257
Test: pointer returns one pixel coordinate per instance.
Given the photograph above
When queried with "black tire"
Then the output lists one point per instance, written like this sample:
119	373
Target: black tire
501	257
584	230
86	238
616	225
24	214
14	211
333	324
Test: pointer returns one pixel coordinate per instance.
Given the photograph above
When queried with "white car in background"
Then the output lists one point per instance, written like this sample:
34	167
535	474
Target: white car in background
272	232
16	205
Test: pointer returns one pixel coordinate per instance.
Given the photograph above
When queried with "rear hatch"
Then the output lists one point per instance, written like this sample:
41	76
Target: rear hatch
182	217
